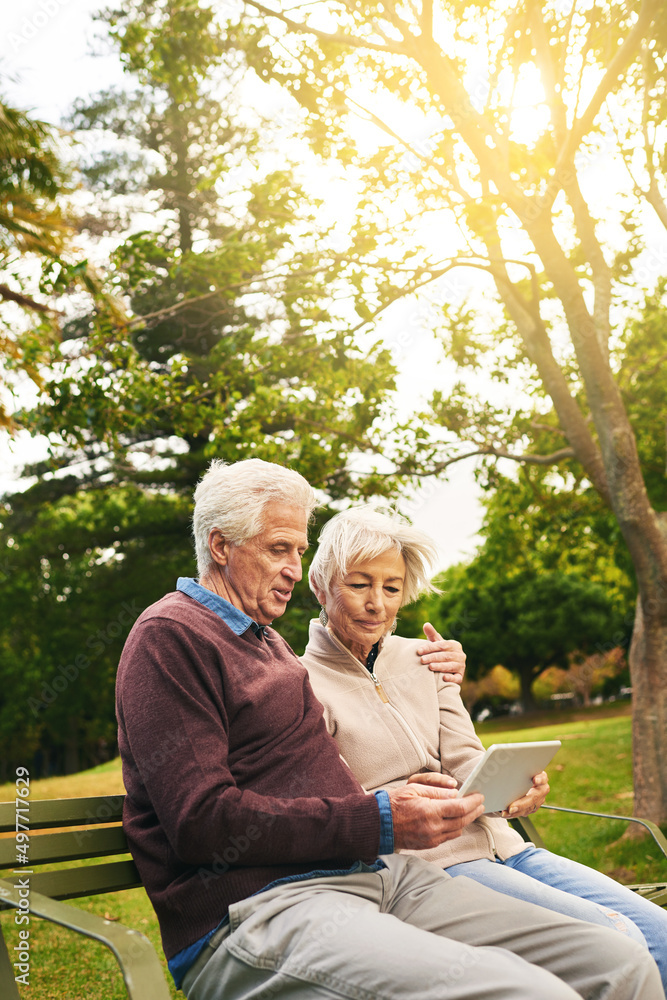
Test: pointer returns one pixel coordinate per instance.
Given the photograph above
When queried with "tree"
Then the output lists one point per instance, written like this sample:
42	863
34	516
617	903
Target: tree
532	525
526	622
592	78
39	260
588	672
76	573
230	346
586	676
499	685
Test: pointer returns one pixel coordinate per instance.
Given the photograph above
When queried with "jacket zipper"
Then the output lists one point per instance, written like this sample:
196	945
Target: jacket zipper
383	696
378	686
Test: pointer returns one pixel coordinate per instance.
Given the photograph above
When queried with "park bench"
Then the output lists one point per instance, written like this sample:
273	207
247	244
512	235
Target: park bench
82	829
655	891
95	833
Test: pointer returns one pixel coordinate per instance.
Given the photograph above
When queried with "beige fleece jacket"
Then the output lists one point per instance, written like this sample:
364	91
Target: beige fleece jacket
422	726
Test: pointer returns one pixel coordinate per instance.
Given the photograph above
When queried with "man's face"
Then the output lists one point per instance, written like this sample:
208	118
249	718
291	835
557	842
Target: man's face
258	577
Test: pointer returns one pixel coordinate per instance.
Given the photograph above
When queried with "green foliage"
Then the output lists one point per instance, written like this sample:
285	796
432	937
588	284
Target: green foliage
33	229
78	571
231	346
536	522
31	177
524	621
642	362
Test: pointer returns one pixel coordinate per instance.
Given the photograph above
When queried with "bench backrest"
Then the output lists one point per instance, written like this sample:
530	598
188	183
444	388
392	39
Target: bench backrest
96	832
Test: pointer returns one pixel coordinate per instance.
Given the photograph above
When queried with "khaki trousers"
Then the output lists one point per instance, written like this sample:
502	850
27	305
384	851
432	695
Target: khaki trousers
411	931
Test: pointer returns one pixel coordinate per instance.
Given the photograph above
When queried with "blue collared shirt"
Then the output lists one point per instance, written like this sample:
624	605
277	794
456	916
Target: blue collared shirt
239	622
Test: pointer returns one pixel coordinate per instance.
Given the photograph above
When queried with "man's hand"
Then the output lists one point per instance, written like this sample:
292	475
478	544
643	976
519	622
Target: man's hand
444	656
426	812
532	800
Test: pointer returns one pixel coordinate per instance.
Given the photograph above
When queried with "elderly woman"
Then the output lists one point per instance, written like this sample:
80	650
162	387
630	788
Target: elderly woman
392	719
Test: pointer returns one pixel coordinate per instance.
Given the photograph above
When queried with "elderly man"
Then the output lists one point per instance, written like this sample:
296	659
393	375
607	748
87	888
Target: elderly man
257	846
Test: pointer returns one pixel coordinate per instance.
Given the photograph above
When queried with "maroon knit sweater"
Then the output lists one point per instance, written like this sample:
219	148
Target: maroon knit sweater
232	779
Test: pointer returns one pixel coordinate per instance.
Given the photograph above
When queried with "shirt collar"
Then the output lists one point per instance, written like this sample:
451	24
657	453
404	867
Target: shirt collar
238	621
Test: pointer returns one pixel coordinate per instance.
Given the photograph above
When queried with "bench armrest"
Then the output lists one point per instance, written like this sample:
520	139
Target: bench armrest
524	825
141	968
656	892
652	828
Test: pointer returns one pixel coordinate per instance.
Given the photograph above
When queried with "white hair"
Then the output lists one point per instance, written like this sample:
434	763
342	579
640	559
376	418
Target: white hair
232	499
362	533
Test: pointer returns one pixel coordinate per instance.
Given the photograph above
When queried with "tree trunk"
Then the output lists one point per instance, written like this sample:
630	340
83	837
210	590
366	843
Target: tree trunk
527	676
71	756
648	670
607	452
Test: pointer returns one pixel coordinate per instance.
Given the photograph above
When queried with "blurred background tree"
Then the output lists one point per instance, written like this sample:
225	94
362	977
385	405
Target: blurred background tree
39	259
525	622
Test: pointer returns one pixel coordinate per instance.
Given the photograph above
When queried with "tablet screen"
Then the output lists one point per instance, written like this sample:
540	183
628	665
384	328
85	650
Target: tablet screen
506	770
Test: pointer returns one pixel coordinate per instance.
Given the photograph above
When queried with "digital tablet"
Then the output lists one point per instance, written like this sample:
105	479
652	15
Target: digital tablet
506	770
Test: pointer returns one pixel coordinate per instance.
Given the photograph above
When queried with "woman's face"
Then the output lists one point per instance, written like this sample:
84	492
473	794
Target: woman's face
362	605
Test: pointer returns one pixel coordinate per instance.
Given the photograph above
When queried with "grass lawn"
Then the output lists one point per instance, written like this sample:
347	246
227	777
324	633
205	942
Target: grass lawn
592	770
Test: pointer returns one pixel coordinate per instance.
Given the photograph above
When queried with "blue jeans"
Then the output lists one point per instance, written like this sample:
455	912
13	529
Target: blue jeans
538	876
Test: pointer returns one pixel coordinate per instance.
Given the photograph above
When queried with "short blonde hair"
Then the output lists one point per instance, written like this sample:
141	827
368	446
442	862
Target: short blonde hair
232	499
362	533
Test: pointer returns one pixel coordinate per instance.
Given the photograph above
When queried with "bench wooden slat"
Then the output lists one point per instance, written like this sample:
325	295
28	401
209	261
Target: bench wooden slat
102	837
88	881
43	813
45	848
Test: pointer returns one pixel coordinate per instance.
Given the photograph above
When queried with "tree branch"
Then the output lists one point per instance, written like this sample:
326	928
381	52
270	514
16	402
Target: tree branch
545	61
325	36
552	459
549	428
528	321
624	56
600	270
432	274
389	130
192	300
23	300
316	425
652	195
435	470
426	19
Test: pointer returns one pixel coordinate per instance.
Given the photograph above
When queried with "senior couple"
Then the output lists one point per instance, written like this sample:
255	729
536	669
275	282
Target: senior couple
268	840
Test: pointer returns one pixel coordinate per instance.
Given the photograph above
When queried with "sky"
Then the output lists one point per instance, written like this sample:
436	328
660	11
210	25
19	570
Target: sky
51	53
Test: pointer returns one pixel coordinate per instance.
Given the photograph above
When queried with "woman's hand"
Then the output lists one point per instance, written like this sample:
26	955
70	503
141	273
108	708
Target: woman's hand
444	656
532	800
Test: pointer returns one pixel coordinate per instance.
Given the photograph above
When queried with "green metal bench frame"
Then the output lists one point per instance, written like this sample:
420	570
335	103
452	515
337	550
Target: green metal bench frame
94	837
656	891
97	833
